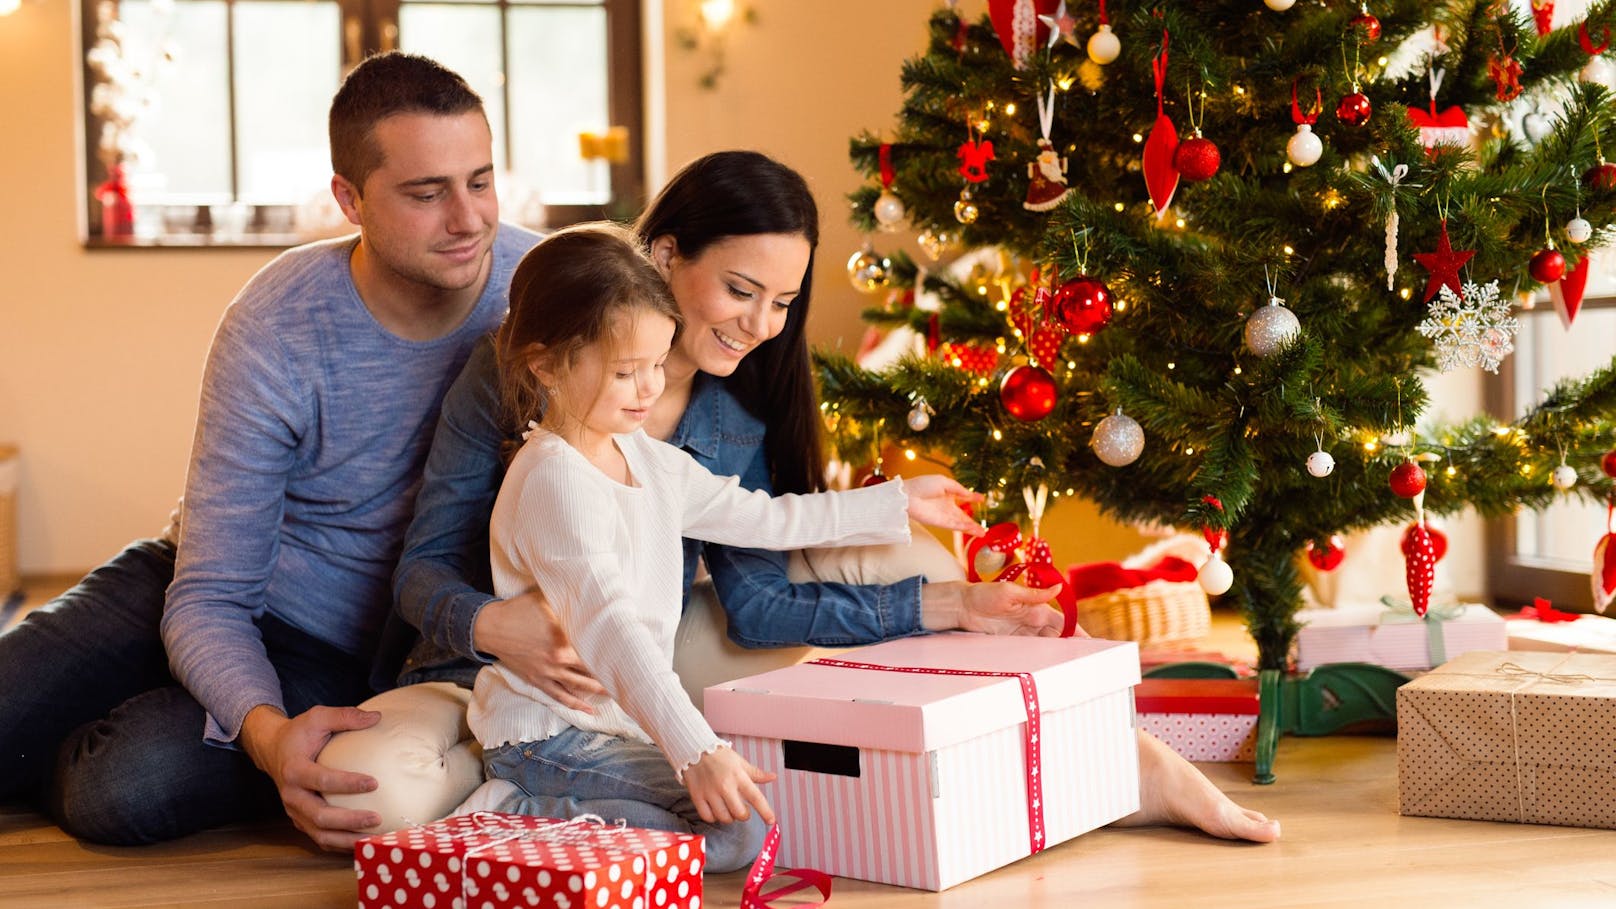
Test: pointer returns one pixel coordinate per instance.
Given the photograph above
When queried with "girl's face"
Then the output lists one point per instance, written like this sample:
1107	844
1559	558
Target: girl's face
611	384
734	296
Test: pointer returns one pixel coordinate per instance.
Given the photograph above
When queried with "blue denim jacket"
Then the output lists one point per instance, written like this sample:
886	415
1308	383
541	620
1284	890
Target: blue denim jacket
442	576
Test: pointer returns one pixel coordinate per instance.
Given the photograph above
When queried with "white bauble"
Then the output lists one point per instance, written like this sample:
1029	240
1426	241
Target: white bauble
1118	439
1564	477
1304	149
1271	329
1104	46
1216	576
1578	230
1279	6
1598	69
1320	463
889	210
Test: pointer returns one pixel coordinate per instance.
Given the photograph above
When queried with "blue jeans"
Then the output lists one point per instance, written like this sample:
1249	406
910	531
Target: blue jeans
580	772
97	732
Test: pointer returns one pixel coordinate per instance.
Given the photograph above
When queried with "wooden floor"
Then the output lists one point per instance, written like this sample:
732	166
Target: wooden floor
1344	845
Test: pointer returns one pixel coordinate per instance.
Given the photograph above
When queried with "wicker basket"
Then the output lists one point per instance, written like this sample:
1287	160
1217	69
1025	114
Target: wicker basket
10	581
1158	612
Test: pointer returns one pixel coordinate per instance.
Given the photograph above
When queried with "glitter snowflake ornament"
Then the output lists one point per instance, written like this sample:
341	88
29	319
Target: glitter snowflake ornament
1472	328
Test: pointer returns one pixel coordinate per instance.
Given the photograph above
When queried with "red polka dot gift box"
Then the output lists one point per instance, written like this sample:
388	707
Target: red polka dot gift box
1528	737
1201	719
504	861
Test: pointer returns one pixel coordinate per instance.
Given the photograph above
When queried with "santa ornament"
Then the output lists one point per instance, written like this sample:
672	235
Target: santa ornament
1047	175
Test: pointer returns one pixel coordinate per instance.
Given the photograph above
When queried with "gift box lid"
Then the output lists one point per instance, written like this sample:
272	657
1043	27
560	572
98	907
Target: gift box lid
1586	632
902	711
1196	696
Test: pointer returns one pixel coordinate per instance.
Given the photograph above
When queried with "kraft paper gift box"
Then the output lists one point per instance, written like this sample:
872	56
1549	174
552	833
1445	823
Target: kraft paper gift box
1201	719
1395	639
505	861
1585	634
1525	737
902	763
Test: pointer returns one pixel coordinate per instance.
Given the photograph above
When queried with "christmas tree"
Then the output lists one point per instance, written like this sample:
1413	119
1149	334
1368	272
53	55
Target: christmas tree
1217	244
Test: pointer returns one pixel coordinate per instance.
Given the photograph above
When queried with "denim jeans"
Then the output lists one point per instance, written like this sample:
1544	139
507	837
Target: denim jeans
578	772
95	729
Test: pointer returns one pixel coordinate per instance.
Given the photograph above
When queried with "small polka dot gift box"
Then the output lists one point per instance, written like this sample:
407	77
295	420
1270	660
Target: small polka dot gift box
1201	719
504	861
1528	737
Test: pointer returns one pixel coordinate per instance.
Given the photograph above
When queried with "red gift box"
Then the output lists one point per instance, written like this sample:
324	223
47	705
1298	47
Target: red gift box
505	861
1201	719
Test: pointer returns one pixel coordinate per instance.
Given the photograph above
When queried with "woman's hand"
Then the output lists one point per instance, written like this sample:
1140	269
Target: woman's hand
991	608
525	636
934	500
723	783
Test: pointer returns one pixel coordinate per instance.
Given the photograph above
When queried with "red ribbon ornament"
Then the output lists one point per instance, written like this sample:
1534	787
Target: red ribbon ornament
887	173
1587	41
1311	116
1032	738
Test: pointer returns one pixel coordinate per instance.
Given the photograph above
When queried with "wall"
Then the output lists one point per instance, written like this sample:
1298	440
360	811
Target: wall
101	351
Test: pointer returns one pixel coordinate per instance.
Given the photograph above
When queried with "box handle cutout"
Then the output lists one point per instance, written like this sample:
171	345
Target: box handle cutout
816	757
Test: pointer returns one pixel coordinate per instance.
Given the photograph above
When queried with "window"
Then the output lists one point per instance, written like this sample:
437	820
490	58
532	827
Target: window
1549	553
215	110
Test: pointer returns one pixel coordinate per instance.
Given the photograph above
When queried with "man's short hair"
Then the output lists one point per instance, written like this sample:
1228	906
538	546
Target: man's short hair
380	87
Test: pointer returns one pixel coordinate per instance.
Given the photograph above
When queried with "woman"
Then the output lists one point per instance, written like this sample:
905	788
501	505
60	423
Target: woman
734	235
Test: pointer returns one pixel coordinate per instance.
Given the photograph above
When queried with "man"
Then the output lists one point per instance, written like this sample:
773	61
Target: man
318	402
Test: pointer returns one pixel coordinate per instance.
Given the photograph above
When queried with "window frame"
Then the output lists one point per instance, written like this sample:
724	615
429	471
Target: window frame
368	27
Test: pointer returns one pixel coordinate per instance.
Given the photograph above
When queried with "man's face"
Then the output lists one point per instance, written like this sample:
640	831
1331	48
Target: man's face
428	213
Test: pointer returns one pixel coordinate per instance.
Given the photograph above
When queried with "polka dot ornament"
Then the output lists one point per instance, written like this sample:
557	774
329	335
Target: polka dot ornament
501	861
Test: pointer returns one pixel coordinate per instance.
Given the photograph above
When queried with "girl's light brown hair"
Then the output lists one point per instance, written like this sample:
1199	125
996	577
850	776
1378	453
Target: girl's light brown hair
564	295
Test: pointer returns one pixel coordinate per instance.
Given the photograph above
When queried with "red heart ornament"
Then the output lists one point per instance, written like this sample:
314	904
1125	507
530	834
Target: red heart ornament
1567	292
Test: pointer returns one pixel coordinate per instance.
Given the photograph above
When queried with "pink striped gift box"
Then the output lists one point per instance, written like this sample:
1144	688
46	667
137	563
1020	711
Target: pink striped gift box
903	763
1371	633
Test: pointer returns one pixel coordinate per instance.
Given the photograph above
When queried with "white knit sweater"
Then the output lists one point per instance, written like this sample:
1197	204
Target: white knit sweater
609	559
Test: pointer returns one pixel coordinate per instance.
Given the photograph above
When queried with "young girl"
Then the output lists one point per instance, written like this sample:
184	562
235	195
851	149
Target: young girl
592	511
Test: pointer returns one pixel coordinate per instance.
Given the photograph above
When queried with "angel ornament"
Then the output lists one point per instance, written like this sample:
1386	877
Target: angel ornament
1047	173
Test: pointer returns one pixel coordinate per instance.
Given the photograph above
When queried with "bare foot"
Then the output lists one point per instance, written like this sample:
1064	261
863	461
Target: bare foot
1172	791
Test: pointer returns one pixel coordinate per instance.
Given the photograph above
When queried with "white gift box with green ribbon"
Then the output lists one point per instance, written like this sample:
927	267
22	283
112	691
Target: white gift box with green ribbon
1393	636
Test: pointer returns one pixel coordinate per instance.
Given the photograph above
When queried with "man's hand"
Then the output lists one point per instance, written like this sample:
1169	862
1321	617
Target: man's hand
991	608
722	784
286	748
525	636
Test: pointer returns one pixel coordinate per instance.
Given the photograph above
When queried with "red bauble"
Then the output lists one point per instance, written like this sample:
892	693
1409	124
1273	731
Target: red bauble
1608	463
1439	541
1548	266
1366	26
1197	158
874	478
1028	393
1083	305
1408	479
1354	109
1601	176
1327	555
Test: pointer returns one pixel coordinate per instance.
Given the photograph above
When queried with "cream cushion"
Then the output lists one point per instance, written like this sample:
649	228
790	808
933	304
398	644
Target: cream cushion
426	762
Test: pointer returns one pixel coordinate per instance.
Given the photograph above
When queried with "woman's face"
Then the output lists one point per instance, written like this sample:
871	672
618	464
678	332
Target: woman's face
734	296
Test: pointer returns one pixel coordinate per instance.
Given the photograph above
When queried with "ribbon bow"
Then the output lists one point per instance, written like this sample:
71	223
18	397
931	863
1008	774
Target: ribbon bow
1399	610
1543	611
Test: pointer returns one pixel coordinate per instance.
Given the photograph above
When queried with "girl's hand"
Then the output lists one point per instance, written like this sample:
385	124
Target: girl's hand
723	783
934	500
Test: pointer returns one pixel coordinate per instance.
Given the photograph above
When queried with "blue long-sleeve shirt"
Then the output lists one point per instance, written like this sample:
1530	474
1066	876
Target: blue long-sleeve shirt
444	571
313	425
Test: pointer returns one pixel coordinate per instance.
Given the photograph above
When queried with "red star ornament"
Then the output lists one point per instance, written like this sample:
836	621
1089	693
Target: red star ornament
1444	264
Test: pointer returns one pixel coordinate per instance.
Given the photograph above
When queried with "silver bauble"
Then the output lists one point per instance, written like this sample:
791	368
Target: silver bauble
1304	149
1118	440
1216	576
1271	329
1578	230
919	416
1564	477
1320	463
867	271
965	210
1104	46
889	210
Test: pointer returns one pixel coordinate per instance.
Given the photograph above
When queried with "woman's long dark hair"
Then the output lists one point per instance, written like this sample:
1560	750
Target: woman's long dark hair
741	193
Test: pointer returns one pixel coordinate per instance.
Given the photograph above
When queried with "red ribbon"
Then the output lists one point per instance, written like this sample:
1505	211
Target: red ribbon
886	165
1216	537
752	895
1032	739
1587	41
1544	611
1104	19
1312	116
1158	68
1095	578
